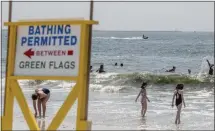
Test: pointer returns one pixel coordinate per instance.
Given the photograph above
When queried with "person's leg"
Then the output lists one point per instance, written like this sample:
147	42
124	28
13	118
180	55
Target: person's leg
176	118
142	104
179	113
44	104
145	108
39	106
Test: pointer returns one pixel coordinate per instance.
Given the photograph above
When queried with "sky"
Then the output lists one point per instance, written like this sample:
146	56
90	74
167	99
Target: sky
128	16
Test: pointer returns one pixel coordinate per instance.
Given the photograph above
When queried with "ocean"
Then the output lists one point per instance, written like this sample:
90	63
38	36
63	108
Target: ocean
112	94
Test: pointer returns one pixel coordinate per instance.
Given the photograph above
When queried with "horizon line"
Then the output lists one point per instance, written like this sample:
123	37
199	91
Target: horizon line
152	31
143	30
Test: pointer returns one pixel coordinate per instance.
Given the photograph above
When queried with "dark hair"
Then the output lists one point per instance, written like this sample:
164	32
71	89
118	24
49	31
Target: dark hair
34	96
180	86
144	85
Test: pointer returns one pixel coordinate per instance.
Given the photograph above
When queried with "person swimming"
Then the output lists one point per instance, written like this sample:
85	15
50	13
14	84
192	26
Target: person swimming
101	69
189	71
171	70
121	64
42	95
178	93
115	64
144	98
210	68
91	68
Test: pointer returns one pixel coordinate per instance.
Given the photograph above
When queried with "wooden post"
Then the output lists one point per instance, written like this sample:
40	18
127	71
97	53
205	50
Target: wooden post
8	35
82	112
89	53
8	97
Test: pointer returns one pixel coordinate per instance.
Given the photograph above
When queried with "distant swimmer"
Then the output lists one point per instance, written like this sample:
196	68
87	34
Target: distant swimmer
42	96
171	70
101	69
121	64
144	98
91	68
189	71
178	93
115	64
145	37
210	68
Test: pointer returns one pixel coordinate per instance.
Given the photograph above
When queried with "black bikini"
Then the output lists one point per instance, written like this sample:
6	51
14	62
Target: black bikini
178	100
46	91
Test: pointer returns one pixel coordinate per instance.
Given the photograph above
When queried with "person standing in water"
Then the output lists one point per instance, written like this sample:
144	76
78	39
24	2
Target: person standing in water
210	68
101	69
91	68
178	93
41	95
189	71
143	99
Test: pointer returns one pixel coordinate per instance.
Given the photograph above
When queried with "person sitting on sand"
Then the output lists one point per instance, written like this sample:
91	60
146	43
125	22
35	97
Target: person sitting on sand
143	99
171	70
210	68
101	69
42	96
178	93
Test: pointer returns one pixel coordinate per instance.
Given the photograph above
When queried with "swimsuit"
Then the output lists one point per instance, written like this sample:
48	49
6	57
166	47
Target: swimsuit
211	71
143	97
178	100
46	91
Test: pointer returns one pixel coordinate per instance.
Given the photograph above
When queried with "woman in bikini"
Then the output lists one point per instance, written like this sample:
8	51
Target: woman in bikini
42	96
178	93
143	99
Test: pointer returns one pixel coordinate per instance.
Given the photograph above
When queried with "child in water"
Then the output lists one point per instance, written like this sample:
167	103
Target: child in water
41	95
143	99
178	93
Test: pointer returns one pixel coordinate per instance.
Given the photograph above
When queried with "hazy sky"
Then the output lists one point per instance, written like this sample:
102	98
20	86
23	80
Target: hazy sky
148	16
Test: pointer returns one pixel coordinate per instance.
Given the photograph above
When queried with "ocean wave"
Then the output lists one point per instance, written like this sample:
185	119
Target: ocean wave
115	82
133	79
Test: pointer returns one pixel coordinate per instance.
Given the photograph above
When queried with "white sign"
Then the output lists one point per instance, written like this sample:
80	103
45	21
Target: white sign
47	50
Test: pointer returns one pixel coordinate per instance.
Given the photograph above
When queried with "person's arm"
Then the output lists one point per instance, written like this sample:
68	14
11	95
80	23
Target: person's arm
209	64
173	98
138	95
182	95
35	109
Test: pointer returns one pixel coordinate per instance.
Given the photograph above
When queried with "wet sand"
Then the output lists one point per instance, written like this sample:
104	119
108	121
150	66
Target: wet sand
115	111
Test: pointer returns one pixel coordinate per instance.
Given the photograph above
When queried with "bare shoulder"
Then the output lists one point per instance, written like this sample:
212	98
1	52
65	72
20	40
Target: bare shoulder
181	91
